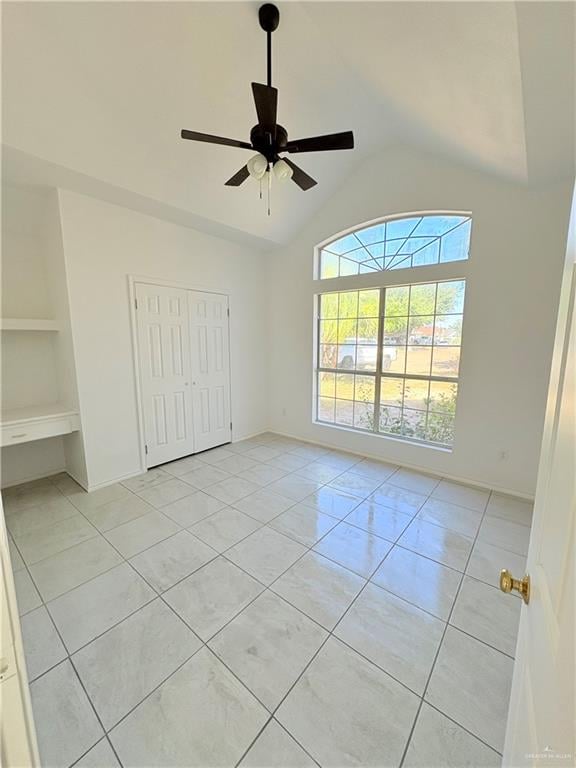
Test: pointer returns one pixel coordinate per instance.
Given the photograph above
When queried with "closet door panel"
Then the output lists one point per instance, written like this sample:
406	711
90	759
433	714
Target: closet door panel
165	371
210	368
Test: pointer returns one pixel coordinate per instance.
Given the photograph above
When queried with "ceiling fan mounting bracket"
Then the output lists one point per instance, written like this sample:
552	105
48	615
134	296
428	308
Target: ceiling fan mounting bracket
269	17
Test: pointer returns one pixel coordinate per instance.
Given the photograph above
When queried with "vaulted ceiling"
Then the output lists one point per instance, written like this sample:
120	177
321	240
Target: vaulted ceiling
95	95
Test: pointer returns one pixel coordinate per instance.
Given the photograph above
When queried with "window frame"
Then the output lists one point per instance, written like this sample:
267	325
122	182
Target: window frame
408	276
385	220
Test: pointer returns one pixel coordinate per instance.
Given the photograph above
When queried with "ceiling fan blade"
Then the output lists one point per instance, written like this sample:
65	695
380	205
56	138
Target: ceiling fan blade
238	177
207	137
299	176
331	141
266	101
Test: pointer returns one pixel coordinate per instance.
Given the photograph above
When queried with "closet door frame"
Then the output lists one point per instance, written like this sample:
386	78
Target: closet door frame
132	280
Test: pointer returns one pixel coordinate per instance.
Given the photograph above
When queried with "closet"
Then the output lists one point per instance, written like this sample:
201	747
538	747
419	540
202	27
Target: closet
183	365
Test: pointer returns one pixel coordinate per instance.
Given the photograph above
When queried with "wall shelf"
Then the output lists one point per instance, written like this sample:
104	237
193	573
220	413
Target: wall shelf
27	324
23	425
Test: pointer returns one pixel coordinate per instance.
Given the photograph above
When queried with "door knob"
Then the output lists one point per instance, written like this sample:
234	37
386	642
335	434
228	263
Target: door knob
508	584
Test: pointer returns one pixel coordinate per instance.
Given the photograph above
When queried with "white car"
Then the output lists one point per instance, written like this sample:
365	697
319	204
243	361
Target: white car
366	352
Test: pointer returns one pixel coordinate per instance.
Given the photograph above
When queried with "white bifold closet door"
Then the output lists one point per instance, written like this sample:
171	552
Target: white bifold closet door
210	347
184	370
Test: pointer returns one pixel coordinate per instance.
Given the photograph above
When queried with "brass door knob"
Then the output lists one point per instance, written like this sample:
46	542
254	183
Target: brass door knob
508	584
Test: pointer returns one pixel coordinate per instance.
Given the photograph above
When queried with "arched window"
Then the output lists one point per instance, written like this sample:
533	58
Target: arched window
399	243
388	352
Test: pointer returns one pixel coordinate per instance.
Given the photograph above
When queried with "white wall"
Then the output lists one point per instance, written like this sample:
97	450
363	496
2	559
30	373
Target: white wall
103	244
29	364
518	243
57	282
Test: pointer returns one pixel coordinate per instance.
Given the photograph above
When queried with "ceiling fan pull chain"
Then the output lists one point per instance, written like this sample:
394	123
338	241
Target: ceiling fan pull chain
269	186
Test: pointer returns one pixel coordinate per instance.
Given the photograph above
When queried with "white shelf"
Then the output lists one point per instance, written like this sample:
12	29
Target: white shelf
27	324
23	425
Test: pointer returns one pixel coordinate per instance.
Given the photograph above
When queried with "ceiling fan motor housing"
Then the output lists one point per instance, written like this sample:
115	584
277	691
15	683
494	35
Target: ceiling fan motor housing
264	141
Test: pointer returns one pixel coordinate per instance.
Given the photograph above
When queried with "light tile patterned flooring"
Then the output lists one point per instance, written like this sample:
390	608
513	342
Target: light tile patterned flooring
268	603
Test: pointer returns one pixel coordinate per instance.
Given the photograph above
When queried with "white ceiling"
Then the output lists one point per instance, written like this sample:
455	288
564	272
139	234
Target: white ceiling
95	95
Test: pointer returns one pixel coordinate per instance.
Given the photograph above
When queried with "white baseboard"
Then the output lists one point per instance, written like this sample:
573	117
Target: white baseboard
415	467
96	486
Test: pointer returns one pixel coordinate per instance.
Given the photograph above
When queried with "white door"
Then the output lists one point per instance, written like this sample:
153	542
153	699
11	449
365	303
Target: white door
542	719
164	351
210	369
18	745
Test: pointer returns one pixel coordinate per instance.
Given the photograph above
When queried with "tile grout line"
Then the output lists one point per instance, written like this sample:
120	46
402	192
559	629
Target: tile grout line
440	644
328	637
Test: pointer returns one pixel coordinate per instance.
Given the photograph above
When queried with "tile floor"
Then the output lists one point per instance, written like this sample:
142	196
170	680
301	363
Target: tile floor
268	603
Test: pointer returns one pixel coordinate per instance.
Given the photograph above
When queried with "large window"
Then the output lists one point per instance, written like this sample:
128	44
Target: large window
388	359
397	244
388	354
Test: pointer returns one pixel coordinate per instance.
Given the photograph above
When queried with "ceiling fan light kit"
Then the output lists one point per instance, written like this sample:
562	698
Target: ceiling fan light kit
268	138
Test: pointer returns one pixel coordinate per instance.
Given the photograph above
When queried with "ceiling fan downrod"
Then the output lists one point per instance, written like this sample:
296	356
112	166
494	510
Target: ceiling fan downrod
269	18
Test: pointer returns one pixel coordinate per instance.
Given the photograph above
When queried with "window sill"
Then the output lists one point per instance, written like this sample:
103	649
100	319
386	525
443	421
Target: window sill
392	438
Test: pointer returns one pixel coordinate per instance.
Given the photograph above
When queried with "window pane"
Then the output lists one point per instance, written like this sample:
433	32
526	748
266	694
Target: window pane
343	244
440	428
364	416
391	391
450	298
327	384
326	409
395	330
443	396
366	357
369	303
390	420
414	424
394	359
347	331
329	305
346	356
368	331
372	234
423	299
446	361
429	254
348	304
398	244
401	228
329	264
345	386
416	394
348	267
364	387
396	301
418	360
421	330
328	331
328	353
455	244
448	330
345	412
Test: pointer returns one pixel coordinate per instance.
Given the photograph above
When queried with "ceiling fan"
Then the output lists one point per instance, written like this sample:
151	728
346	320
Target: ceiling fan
268	138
